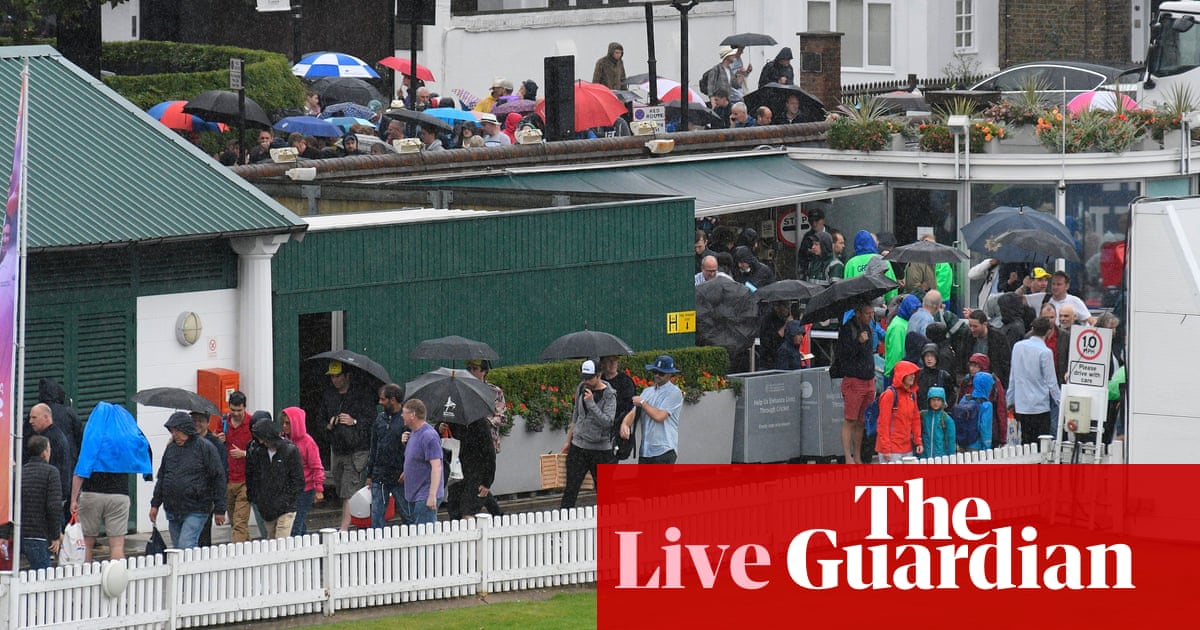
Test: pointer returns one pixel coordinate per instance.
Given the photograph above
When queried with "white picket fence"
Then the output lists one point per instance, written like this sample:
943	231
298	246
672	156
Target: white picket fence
324	572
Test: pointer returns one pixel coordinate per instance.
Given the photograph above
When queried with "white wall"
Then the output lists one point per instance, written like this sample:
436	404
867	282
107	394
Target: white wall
122	22
163	362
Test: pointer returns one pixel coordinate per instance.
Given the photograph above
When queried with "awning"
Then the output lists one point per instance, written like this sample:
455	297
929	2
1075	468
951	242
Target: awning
721	185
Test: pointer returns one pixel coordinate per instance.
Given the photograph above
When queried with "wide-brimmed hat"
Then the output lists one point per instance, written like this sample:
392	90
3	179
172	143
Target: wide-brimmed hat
489	118
664	364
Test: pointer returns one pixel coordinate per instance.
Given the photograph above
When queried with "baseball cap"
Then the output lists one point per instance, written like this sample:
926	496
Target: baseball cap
335	368
1039	273
587	370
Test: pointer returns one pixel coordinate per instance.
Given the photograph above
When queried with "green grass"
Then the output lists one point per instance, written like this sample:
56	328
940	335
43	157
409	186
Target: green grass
565	611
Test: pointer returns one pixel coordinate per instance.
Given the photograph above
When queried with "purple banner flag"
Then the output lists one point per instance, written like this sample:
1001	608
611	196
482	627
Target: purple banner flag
9	285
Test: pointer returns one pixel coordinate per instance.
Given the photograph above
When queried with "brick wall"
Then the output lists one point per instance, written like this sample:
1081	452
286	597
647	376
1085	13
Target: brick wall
1085	30
825	49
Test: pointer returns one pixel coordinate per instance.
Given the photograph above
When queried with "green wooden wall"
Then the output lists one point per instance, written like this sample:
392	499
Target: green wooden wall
516	280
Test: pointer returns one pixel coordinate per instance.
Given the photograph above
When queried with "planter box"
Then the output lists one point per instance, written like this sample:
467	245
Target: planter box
553	468
1022	139
706	429
517	468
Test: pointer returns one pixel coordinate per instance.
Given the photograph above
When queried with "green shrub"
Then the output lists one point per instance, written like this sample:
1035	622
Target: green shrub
148	73
545	392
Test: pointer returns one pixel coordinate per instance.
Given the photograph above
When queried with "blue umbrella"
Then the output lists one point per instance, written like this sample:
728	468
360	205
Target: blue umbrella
347	109
981	234
452	115
332	64
309	126
345	122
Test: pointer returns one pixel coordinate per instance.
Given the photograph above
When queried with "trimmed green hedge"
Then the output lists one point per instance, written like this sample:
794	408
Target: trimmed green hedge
148	73
549	387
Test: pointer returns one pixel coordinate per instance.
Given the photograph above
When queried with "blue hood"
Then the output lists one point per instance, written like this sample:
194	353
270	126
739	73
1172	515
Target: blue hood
982	385
864	243
908	306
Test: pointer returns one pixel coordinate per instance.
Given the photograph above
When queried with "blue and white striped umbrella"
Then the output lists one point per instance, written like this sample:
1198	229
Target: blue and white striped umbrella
332	64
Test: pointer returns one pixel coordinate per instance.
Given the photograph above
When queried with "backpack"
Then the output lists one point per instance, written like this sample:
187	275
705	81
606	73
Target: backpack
871	413
706	81
966	421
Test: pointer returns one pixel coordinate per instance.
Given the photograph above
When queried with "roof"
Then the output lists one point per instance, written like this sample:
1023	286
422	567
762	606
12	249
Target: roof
721	184
100	171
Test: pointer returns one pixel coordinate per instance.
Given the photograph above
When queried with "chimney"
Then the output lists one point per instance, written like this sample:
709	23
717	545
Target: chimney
820	71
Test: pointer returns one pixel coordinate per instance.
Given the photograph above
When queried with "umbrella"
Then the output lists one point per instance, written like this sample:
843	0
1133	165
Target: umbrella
1039	243
453	347
403	66
748	39
346	122
175	398
980	234
222	106
726	315
422	118
332	64
515	106
171	114
309	126
585	344
354	359
347	90
346	109
453	115
668	90
595	106
698	113
675	94
1101	99
453	396
926	252
775	96
789	290
844	295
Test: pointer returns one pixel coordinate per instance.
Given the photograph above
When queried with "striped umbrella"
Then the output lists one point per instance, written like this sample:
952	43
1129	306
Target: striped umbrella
1101	99
332	64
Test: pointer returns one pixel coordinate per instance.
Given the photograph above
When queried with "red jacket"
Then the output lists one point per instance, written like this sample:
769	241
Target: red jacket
900	428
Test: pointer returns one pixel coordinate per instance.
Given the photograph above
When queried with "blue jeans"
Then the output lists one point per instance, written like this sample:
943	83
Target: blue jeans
380	492
37	552
185	528
420	513
304	503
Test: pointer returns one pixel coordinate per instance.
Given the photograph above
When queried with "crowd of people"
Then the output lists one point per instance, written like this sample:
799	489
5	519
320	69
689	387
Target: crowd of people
943	379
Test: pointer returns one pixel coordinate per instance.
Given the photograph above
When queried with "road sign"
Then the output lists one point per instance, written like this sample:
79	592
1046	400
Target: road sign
785	228
1091	351
681	322
657	113
267	6
235	73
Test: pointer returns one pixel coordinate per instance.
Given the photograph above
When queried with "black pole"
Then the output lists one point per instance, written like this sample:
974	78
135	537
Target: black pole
651	62
297	13
684	6
241	128
411	94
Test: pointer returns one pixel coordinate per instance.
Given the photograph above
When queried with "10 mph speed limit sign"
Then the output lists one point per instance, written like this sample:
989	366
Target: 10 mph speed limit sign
1091	350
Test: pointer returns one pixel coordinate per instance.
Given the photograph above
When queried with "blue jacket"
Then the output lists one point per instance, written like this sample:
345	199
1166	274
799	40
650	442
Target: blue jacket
981	389
787	356
387	451
937	433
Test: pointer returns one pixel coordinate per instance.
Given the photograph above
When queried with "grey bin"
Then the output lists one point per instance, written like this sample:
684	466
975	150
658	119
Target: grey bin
821	408
766	421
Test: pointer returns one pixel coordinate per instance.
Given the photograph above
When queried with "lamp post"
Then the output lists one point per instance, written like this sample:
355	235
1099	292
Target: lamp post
683	6
297	14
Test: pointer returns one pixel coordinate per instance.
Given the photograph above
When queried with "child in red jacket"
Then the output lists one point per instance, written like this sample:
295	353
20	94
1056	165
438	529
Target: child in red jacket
899	425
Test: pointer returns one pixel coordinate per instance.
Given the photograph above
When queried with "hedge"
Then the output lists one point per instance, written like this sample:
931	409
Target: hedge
148	73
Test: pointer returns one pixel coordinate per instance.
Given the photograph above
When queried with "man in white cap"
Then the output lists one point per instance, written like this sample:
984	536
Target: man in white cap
500	87
589	440
722	76
658	407
492	136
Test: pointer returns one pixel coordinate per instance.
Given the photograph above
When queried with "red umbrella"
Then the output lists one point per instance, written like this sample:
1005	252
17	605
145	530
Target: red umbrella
171	115
595	106
403	66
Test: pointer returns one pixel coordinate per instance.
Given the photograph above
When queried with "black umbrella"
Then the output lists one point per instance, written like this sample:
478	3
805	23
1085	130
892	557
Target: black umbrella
698	113
928	252
175	398
453	396
421	118
789	290
222	106
844	295
980	234
347	90
1039	244
453	347
726	315
354	359
775	96
585	344
748	39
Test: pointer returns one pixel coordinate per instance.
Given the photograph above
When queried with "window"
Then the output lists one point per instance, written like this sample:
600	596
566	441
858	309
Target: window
964	26
867	26
471	7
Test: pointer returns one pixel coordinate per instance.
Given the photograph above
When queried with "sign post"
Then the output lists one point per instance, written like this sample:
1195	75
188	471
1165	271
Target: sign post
1091	354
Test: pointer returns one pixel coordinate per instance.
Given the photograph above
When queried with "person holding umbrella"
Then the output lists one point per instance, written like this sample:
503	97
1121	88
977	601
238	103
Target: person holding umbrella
347	410
589	440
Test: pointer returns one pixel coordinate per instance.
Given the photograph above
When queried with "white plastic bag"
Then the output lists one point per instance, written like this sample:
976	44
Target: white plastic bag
74	549
453	445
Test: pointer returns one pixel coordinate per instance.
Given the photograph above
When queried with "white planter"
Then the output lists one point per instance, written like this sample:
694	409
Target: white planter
1172	139
898	142
1022	139
706	429
517	466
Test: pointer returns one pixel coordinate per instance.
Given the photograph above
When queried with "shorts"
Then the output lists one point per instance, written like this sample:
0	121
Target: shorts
858	393
111	510
348	471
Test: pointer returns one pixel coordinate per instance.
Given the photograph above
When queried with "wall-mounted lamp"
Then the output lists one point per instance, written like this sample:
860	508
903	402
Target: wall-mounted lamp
188	328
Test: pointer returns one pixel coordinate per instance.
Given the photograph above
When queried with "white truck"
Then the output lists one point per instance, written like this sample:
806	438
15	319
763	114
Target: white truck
1173	57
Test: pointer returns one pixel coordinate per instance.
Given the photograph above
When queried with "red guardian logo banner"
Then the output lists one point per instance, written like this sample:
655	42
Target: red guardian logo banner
920	546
